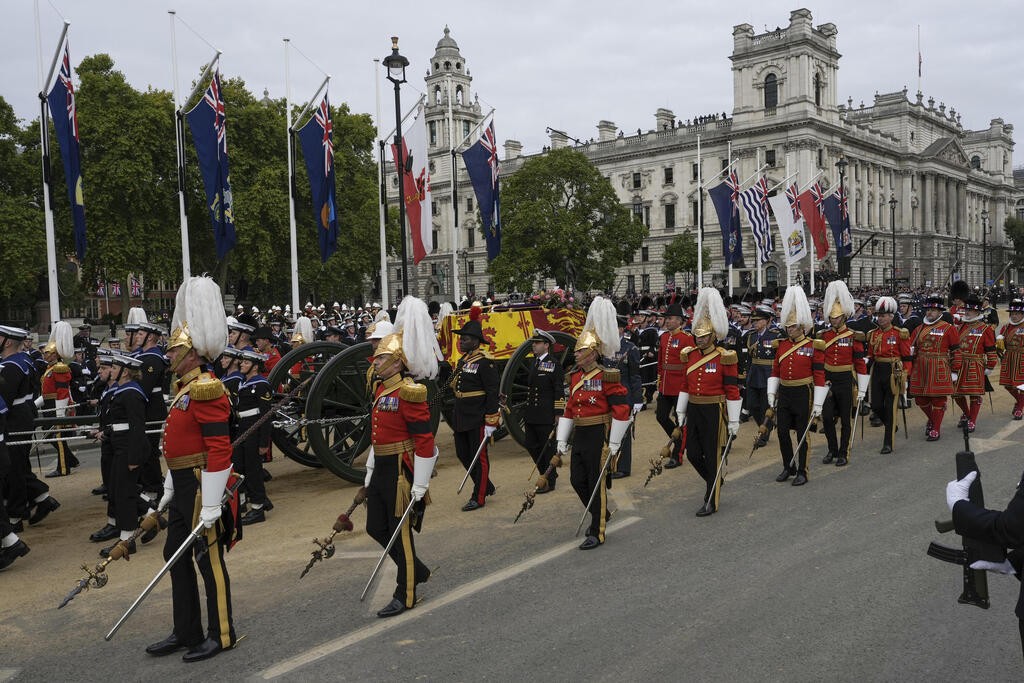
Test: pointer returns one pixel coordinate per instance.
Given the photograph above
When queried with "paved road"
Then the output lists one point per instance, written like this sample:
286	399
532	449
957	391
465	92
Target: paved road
825	582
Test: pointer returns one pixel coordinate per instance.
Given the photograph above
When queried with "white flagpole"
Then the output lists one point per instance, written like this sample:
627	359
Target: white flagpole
700	222
293	240
455	208
186	265
51	243
789	267
380	198
757	256
728	155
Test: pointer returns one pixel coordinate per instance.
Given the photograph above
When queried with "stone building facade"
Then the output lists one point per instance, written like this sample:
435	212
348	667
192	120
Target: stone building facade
917	180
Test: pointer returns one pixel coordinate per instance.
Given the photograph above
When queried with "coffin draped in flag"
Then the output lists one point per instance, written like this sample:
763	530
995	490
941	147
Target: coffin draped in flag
317	142
416	187
61	100
839	220
791	225
482	165
209	135
812	208
725	198
755	205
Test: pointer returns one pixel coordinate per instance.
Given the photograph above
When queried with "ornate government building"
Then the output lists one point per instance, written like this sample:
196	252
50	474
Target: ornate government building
906	157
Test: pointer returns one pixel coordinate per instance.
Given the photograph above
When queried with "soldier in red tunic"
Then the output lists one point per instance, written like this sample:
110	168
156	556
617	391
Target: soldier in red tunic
935	353
197	448
596	414
670	373
55	394
1010	343
796	388
845	371
977	361
402	454
709	403
889	350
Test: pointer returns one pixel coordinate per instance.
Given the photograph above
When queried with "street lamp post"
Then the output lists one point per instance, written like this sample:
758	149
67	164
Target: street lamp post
984	247
395	64
892	221
464	253
843	263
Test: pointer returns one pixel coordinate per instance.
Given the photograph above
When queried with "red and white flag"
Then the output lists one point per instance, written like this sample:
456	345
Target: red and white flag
416	187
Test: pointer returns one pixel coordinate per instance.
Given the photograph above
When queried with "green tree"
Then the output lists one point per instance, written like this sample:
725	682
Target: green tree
681	256
23	256
1014	228
561	219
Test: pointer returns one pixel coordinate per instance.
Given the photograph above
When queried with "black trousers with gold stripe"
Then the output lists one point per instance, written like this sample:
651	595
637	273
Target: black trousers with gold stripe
381	522
541	446
792	413
704	444
188	623
839	404
883	403
584	469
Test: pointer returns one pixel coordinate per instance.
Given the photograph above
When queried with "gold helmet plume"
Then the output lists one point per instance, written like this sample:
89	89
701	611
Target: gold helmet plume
796	310
601	329
62	341
414	340
838	300
709	315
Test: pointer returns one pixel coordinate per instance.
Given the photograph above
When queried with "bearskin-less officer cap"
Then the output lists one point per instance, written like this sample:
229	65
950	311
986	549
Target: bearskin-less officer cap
13	333
675	309
763	312
542	336
125	361
253	356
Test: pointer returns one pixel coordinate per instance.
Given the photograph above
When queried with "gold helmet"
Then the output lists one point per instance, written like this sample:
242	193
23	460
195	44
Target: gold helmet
588	340
709	315
390	345
181	336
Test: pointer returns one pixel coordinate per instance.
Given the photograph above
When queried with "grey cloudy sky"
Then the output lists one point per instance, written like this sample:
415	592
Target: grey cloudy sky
560	63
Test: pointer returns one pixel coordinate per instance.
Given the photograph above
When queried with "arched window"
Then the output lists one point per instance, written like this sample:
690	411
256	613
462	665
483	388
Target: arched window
771	91
976	162
437	94
458	94
817	89
771	275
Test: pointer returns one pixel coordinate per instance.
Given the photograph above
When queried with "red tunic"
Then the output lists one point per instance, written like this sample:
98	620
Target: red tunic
1011	367
977	353
844	351
272	360
670	361
800	362
400	422
711	375
56	383
596	393
198	422
890	346
935	349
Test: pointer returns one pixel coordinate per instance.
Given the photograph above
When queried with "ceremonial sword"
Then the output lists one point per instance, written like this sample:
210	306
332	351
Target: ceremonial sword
387	549
483	443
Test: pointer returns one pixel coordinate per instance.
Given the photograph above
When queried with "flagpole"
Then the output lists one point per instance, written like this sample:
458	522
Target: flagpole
734	208
293	244
51	240
455	194
476	128
757	257
919	58
179	135
381	199
789	266
700	222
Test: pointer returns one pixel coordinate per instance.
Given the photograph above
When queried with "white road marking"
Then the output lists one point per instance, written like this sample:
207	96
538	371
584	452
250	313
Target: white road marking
8	674
338	644
1009	429
359	555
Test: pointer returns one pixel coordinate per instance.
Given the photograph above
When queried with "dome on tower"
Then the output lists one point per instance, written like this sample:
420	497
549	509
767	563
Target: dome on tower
447	41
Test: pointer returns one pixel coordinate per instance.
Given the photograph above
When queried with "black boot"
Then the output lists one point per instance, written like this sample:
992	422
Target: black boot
43	508
107	533
12	552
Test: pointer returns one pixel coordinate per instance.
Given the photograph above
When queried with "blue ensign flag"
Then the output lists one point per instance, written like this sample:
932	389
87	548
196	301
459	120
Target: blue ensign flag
482	165
316	138
724	196
209	135
839	220
61	101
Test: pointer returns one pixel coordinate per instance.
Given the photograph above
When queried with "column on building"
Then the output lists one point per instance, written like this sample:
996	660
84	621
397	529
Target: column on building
961	213
927	202
901	181
942	222
952	211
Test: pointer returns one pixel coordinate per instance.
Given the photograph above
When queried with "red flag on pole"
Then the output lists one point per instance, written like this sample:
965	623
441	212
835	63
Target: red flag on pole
812	208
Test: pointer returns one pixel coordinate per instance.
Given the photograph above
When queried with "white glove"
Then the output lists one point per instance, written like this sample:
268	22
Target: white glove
562	432
862	384
209	514
422	469
819	400
953	376
773	390
62	405
681	403
988	371
168	492
957	490
734	428
1003	567
733	408
39	402
489	430
369	468
637	407
615	435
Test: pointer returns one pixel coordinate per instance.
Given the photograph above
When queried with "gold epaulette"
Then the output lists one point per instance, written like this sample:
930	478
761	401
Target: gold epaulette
686	350
60	368
729	357
775	344
859	336
206	389
819	344
413	392
904	334
611	375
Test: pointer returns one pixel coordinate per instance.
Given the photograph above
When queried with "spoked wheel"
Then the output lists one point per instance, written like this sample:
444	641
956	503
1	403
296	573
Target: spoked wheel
340	396
311	358
515	378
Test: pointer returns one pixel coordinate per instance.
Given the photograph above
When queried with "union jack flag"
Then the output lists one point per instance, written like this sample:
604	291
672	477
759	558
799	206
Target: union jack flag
733	182
491	145
213	99
65	78
819	199
323	119
101	289
482	166
842	203
61	103
136	286
115	289
316	138
793	196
